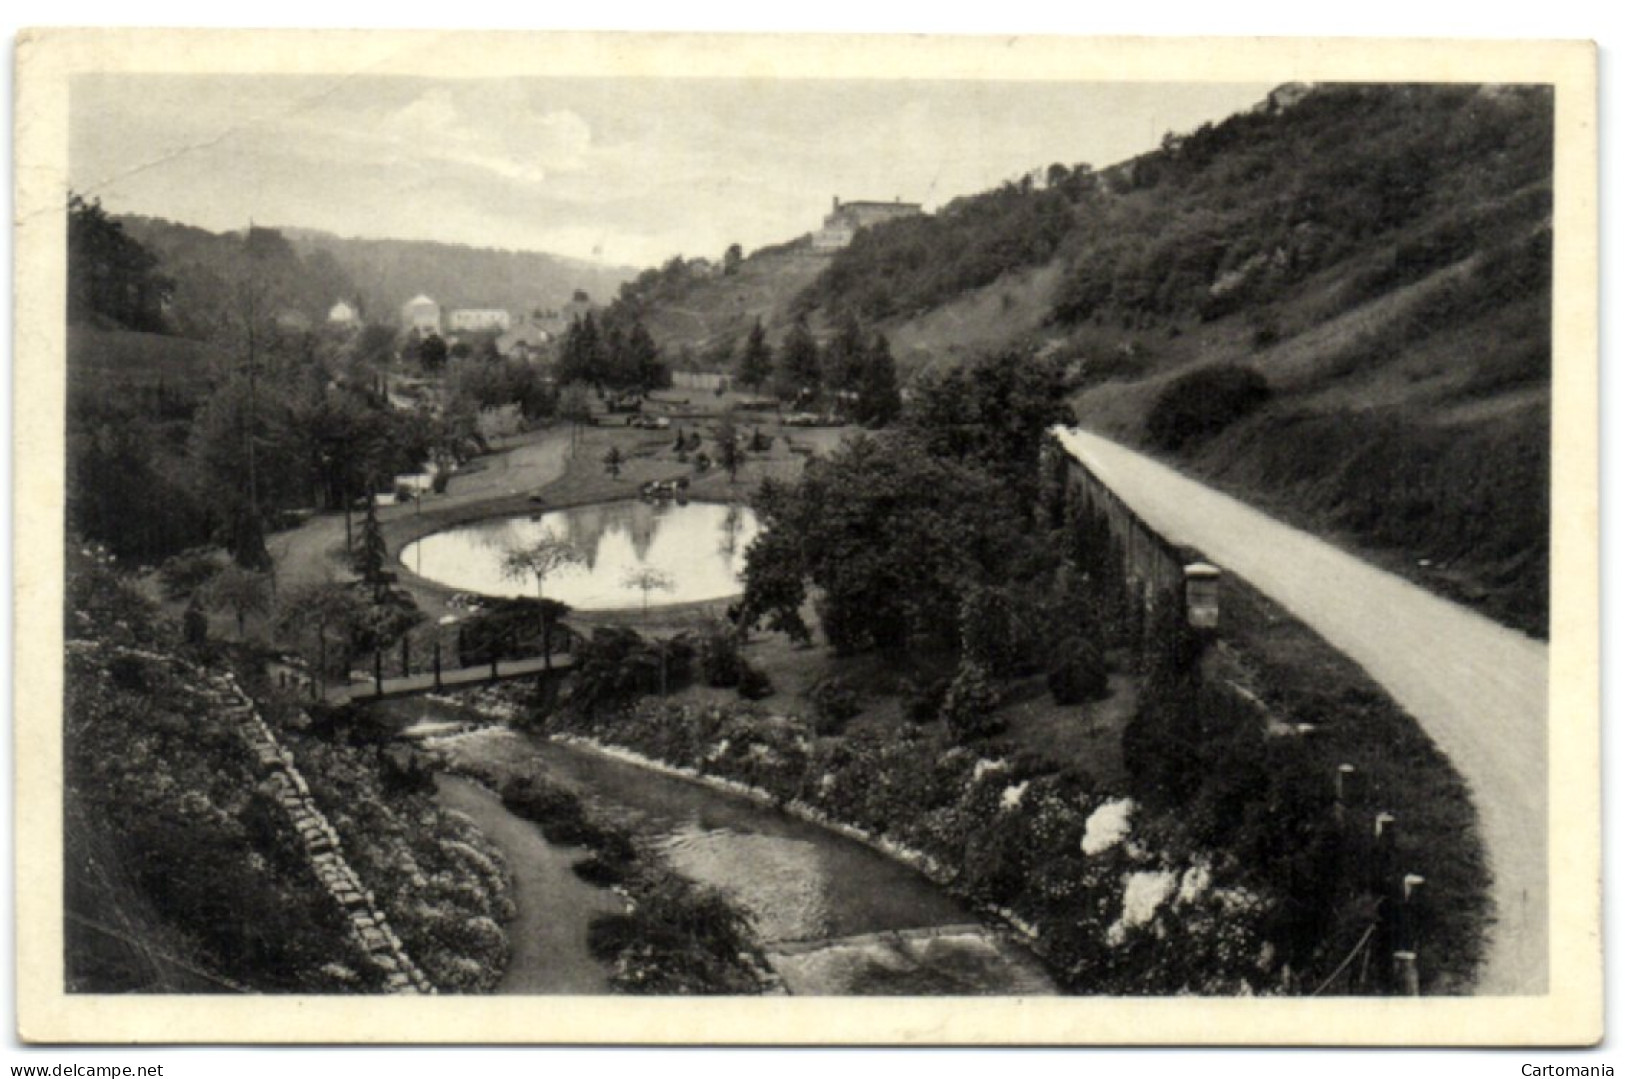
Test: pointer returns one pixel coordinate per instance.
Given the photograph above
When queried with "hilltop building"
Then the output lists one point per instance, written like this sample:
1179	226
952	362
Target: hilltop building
845	219
421	314
479	320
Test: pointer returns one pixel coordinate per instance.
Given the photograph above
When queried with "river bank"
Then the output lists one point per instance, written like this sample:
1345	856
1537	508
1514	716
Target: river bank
832	915
599	909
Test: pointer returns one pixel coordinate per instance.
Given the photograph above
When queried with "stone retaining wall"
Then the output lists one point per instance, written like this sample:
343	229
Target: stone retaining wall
288	789
1152	565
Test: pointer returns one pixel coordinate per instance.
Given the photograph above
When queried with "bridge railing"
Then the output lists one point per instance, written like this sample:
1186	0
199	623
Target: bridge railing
430	652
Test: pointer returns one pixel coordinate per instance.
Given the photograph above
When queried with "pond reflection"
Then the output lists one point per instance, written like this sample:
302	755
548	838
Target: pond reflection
701	546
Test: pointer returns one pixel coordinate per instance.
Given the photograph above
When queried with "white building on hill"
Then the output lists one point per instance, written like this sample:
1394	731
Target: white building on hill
845	219
479	319
422	314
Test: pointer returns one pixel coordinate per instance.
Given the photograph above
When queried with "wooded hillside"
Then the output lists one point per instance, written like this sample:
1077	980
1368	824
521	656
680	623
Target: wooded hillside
1379	254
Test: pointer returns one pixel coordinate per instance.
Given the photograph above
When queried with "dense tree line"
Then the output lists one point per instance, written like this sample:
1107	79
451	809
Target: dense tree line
852	375
895	531
209	272
601	353
110	275
290	418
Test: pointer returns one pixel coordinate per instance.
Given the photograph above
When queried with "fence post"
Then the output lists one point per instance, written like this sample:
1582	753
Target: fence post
1405	932
1342	782
1385	830
1405	975
378	672
406	654
437	663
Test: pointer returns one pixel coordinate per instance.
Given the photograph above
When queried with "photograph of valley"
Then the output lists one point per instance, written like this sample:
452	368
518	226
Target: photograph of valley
739	536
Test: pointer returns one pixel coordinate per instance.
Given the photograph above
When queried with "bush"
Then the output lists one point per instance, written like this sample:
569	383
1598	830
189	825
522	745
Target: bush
441	481
1078	672
1198	405
598	872
720	663
834	703
969	704
187	572
615	666
679	939
556	810
922	701
754	684
991	632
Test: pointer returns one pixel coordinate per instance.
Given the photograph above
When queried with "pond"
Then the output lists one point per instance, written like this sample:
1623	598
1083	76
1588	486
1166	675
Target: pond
699	546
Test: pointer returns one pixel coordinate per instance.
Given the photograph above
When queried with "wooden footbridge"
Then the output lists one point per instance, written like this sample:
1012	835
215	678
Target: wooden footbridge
437	680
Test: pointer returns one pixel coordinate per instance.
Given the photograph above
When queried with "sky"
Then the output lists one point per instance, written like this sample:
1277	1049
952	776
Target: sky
624	171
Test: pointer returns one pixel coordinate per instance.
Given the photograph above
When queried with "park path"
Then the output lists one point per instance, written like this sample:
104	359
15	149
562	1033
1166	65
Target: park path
1477	688
305	554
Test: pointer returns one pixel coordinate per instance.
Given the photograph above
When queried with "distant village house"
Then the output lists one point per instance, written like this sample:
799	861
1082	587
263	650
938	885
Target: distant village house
526	341
343	314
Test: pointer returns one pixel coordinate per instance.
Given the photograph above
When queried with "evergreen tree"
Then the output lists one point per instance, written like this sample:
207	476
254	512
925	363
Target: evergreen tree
581	357
618	371
374	554
730	454
879	401
798	369
756	362
844	357
643	360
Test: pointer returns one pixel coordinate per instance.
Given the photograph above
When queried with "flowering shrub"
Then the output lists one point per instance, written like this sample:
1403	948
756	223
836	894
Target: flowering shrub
1015	834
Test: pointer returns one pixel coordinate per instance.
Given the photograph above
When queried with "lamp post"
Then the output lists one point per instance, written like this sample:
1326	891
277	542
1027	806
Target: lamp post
448	621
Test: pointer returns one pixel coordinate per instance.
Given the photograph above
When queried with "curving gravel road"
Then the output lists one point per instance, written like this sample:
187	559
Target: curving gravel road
1477	688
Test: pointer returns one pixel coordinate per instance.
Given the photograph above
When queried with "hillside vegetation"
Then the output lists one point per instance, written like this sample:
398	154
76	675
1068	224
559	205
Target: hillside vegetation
380	274
182	870
704	311
1379	255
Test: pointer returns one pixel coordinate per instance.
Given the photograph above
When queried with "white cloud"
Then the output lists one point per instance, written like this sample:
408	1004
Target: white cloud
492	128
635	169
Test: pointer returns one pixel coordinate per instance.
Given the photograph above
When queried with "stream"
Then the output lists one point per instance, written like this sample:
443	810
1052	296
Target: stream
834	916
